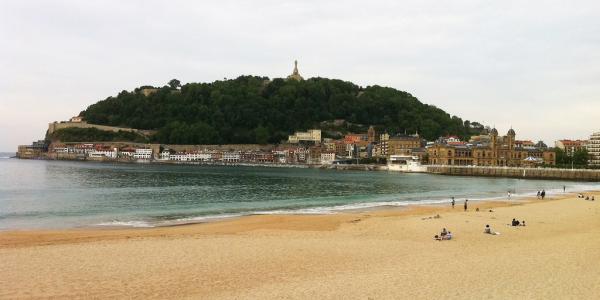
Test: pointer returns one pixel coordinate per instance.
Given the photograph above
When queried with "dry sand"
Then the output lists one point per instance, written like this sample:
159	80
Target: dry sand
387	254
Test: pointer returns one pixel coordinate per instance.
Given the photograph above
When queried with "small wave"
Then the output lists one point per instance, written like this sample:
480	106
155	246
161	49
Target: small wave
137	224
200	219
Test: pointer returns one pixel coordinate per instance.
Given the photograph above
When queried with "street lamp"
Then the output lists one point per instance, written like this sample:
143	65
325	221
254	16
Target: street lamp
572	156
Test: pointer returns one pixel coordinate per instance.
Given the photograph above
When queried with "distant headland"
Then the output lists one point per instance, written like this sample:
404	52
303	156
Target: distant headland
291	120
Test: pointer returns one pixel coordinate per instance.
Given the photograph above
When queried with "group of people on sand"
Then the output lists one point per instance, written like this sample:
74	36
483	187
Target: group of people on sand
447	235
586	197
444	235
516	222
541	194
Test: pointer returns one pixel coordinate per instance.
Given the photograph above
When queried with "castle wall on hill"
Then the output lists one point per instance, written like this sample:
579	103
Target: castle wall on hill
52	127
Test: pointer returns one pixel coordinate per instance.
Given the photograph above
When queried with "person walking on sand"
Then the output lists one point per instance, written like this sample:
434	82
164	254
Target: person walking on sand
508	195
466	200
543	194
564	188
538	195
453	202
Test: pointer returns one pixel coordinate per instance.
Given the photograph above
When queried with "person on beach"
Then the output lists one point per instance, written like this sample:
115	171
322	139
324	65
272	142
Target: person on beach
538	194
523	223
466	200
453	202
437	237
488	230
564	188
515	222
543	194
444	232
448	236
592	198
508	195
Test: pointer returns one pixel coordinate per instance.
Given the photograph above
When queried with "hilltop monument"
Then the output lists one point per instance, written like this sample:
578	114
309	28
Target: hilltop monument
295	74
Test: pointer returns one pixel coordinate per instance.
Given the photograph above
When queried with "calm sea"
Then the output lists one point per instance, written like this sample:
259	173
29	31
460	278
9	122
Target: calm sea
56	194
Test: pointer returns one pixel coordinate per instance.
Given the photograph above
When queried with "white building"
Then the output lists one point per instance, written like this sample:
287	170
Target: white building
452	139
231	156
593	148
327	158
165	154
61	150
142	153
104	153
179	156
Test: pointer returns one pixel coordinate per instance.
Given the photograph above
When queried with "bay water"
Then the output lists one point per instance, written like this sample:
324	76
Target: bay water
37	194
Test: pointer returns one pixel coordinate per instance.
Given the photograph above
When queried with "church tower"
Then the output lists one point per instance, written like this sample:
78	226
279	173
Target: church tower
511	139
371	134
494	146
295	74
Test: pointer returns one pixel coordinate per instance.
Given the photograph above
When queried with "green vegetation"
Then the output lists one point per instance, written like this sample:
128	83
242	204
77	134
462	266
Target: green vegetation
74	134
253	109
578	160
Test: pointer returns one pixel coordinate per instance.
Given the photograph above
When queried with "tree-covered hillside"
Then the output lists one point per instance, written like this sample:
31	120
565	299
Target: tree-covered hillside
253	109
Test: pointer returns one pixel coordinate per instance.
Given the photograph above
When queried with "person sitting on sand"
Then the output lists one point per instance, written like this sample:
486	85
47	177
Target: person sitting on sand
523	223
587	198
448	236
488	230
444	232
437	238
515	222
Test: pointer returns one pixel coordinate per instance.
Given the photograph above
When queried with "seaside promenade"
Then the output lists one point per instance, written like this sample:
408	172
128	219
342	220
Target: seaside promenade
385	254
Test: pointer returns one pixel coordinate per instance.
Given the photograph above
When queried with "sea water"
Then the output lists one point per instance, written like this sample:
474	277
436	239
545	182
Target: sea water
63	194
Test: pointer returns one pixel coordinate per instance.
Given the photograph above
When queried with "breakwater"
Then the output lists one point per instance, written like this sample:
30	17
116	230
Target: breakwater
529	173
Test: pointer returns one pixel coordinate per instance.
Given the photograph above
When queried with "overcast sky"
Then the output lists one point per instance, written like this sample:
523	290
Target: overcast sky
532	65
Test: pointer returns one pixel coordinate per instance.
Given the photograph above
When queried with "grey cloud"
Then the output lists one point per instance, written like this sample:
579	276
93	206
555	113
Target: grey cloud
533	65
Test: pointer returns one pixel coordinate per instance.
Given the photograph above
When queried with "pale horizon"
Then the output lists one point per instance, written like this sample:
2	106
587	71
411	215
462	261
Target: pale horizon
530	66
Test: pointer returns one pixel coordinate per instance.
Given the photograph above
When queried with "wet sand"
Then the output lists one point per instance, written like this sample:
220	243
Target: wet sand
382	254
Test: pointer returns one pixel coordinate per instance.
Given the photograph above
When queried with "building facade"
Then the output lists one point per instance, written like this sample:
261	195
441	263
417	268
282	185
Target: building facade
311	136
570	146
500	151
593	148
399	145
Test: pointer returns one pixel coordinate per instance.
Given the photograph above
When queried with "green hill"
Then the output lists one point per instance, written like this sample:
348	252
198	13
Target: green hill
251	109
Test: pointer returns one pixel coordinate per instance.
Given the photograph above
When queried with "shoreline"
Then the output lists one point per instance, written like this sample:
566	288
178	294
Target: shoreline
344	209
382	254
40	236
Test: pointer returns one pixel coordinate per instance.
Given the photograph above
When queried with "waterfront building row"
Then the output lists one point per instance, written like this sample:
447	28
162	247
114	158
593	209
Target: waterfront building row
491	150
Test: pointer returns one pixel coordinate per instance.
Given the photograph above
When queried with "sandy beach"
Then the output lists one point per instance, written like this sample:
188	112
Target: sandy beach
383	254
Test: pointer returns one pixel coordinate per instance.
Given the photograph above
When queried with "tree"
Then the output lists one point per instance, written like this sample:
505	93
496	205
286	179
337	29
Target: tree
581	157
252	109
174	83
561	157
262	135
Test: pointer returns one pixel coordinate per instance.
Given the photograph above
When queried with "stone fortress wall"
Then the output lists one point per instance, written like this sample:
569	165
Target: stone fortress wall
52	127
